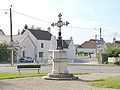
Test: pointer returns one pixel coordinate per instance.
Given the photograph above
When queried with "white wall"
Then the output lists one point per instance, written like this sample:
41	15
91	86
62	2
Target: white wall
101	48
71	51
33	39
28	47
46	46
27	32
92	50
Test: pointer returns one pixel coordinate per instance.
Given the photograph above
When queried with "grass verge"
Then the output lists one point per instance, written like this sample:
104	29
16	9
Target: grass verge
79	73
16	75
111	82
22	75
80	64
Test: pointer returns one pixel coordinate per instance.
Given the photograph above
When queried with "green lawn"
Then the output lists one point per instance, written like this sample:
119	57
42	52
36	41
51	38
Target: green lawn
79	73
111	82
22	75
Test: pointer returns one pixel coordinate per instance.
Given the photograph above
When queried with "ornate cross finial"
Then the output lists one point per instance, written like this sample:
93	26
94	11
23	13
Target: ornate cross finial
59	24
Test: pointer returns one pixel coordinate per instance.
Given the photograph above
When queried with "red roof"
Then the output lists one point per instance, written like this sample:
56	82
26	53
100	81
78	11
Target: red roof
89	44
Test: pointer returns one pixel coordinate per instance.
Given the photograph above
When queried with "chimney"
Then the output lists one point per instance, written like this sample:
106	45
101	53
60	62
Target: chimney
114	39
48	29
18	32
71	38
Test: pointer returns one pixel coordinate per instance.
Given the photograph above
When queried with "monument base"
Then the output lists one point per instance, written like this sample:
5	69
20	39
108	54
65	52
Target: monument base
59	68
60	76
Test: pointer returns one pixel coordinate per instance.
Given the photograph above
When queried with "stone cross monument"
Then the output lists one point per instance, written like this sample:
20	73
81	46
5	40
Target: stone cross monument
59	56
59	24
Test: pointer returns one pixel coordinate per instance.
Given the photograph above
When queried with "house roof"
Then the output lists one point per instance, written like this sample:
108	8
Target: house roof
40	34
66	43
1	32
89	44
117	42
16	38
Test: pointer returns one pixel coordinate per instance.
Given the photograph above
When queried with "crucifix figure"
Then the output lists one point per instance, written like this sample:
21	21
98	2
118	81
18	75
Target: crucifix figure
59	24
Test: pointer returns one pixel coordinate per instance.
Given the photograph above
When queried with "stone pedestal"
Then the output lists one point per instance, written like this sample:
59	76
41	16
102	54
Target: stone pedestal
59	69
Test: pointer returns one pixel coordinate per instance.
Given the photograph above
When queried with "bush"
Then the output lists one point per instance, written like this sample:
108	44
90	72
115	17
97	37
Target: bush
104	58
117	63
113	52
99	57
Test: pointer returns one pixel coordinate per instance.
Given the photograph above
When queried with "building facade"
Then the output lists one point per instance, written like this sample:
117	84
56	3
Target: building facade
41	40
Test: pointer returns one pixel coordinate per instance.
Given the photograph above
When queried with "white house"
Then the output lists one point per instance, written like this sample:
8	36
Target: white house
68	46
23	43
36	44
41	40
88	47
32	43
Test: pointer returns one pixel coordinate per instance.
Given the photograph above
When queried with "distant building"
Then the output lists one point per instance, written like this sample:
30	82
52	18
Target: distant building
116	43
101	46
68	46
88	47
92	47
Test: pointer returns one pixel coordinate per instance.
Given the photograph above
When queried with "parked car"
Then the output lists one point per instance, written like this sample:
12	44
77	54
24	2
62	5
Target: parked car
26	59
22	59
29	59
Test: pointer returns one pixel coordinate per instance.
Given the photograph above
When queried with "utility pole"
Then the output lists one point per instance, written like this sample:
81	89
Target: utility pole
11	37
100	33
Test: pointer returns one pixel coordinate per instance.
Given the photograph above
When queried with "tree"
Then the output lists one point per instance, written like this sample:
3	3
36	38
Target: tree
113	51
35	28
5	53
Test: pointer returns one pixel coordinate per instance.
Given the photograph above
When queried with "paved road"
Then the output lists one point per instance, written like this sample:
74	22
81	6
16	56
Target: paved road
95	69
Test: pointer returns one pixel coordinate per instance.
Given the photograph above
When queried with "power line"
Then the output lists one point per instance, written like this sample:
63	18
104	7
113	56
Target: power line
48	21
75	27
4	9
32	17
78	27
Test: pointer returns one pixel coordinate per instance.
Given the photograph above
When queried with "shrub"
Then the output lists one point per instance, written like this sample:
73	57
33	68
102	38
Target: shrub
104	58
113	52
117	63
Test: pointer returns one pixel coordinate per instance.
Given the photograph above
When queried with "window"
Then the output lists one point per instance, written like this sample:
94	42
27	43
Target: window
23	53
41	54
41	45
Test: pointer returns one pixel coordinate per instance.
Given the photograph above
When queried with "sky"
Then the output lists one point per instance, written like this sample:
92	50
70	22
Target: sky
86	17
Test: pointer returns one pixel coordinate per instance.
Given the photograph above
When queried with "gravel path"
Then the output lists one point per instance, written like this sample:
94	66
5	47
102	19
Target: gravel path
38	83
